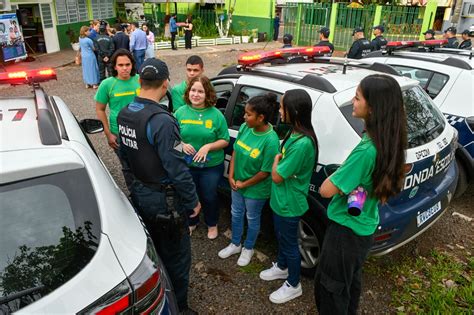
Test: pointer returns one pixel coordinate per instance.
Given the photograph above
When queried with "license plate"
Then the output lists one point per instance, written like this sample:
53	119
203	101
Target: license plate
426	215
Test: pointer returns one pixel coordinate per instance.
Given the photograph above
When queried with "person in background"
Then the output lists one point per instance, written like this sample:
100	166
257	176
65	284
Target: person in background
188	32
163	190
138	44
94	29
450	35
194	68
105	48
360	47
249	174
117	91
150	50
379	42
121	40
173	31
204	134
466	41
276	26
291	174
324	40
375	169
429	34
90	70
287	39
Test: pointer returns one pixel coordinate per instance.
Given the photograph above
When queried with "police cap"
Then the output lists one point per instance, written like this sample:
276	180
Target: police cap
154	69
324	31
465	32
357	30
379	27
430	31
451	29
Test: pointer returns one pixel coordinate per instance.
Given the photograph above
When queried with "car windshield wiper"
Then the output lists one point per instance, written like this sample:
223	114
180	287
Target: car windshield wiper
430	132
16	295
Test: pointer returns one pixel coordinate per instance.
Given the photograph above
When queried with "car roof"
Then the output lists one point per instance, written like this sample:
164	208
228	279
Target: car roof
443	56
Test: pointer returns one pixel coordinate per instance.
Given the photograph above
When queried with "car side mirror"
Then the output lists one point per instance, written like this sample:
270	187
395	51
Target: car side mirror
91	126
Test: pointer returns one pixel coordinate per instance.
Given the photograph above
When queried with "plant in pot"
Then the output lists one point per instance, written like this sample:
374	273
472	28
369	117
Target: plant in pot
73	39
245	31
254	35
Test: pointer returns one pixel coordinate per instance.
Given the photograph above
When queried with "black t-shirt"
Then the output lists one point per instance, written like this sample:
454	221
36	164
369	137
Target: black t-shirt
378	43
328	44
465	44
360	48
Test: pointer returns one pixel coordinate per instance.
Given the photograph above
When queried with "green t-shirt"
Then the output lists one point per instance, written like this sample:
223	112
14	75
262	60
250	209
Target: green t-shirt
288	198
117	94
202	126
356	171
255	152
177	95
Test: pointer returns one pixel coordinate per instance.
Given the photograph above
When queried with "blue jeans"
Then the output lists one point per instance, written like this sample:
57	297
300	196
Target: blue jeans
253	207
206	180
286	230
139	56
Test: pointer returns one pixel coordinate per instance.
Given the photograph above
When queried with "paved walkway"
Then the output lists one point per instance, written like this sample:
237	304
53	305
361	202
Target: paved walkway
66	56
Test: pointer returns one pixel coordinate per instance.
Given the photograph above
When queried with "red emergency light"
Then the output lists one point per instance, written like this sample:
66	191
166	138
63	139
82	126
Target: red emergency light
27	77
413	43
257	57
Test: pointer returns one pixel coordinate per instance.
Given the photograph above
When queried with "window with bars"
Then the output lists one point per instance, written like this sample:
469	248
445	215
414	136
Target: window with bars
102	9
46	14
71	11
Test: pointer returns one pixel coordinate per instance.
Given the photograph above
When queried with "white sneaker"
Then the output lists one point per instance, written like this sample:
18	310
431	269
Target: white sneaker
286	293
245	257
274	273
230	250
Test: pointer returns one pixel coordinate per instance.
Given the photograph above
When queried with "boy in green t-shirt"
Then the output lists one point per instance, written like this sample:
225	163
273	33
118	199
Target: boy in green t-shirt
194	68
117	92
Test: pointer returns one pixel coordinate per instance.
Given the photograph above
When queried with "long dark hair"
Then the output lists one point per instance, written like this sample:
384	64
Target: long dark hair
265	105
297	105
119	53
386	125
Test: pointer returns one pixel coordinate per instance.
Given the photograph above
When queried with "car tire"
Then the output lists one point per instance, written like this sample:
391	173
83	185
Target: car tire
310	241
462	179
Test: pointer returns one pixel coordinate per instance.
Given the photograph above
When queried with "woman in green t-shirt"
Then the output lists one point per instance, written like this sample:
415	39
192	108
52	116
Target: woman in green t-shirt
291	174
204	134
249	173
376	168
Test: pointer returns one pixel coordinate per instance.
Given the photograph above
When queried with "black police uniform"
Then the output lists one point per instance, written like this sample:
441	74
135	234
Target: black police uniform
359	49
328	44
378	43
452	43
121	40
105	48
163	191
465	44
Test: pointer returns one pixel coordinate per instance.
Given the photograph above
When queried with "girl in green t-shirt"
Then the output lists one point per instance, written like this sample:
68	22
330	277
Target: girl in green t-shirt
249	173
376	165
291	174
204	134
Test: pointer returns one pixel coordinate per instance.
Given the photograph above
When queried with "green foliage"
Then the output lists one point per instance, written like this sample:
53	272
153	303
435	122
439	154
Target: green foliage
438	284
244	27
72	35
204	29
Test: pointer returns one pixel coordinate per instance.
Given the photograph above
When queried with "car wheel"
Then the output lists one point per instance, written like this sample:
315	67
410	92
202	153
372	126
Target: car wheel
310	241
462	179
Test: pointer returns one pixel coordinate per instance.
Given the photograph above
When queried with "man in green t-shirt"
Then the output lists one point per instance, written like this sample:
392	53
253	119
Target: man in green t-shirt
194	68
117	91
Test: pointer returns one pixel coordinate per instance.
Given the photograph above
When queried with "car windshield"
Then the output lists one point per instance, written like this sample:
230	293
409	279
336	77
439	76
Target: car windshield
424	121
49	231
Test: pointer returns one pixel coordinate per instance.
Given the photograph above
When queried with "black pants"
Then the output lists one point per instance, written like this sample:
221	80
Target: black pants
173	38
126	171
337	284
275	33
187	39
175	252
102	66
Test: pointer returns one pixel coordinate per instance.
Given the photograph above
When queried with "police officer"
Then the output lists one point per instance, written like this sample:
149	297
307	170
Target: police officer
360	47
163	191
287	41
379	42
324	40
450	35
466	43
429	34
105	49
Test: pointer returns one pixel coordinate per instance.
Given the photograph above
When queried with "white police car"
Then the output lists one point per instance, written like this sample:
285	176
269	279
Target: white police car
431	177
70	242
447	75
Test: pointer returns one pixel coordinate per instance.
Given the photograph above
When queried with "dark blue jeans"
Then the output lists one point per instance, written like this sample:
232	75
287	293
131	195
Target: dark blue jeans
139	56
206	180
286	230
337	284
175	252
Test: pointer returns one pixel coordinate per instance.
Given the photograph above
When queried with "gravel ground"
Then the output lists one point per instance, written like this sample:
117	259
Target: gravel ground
220	286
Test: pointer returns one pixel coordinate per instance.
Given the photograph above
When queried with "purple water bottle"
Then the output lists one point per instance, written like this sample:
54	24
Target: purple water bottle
356	200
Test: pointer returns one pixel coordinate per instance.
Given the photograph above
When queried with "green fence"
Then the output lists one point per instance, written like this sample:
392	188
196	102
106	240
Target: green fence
349	18
313	17
401	23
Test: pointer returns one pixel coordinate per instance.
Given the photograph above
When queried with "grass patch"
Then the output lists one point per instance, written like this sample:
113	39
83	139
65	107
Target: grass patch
437	284
253	268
